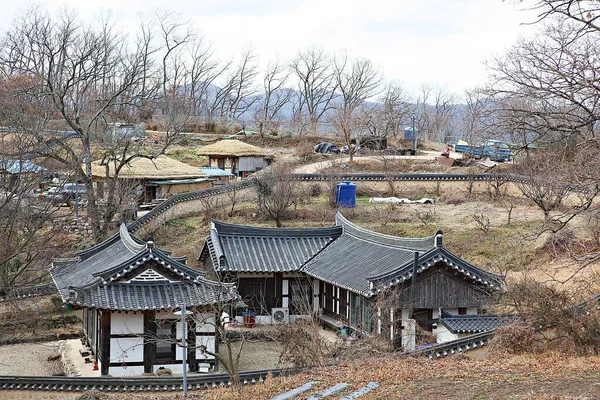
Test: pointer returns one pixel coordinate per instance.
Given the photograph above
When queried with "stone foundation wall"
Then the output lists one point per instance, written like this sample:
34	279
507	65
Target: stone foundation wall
77	225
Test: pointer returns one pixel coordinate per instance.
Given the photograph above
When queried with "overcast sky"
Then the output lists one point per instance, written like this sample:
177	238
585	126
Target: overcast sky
440	42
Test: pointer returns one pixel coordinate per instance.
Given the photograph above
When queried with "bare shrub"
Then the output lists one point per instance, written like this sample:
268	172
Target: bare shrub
315	190
482	222
426	217
212	206
302	345
513	339
564	324
384	212
560	242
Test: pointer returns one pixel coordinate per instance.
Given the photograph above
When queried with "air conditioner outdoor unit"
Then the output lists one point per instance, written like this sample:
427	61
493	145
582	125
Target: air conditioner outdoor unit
280	315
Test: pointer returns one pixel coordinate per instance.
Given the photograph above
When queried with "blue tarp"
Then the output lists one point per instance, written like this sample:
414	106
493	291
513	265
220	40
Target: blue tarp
20	167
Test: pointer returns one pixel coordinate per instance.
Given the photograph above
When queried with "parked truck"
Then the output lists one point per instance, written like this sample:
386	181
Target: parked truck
495	150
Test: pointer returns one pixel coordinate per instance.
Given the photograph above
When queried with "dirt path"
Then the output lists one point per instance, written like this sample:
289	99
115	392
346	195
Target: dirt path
319	166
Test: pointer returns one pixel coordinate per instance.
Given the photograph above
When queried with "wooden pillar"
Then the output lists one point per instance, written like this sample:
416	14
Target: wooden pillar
149	341
191	345
104	342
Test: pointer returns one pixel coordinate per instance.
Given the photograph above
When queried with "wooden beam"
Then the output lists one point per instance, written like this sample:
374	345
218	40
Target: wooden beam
149	340
104	342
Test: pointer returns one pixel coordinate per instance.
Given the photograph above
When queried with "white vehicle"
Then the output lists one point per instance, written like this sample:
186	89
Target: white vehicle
401	200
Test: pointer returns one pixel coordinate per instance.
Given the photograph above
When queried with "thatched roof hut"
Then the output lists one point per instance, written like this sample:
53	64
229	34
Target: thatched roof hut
232	148
159	168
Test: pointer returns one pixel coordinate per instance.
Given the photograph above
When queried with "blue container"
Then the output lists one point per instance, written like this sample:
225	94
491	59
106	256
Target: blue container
345	195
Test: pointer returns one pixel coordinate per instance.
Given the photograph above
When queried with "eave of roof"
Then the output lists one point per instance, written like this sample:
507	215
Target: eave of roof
475	323
106	264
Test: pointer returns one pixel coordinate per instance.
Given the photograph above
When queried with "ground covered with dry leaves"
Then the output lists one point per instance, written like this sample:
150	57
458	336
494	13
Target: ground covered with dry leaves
539	376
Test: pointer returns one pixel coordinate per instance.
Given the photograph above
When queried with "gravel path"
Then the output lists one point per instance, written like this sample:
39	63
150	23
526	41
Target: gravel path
29	359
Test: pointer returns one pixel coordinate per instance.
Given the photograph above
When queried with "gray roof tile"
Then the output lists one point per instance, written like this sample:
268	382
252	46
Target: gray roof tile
95	278
475	323
256	249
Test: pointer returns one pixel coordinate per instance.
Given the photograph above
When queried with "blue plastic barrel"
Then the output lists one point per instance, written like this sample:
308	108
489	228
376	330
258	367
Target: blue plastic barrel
345	194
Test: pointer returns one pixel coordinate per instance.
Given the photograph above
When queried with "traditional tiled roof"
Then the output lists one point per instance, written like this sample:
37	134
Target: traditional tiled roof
20	167
474	323
104	276
364	262
242	248
163	295
345	255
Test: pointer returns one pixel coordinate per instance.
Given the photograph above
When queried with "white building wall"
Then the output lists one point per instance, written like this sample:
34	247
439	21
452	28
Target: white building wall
126	323
285	291
126	350
126	371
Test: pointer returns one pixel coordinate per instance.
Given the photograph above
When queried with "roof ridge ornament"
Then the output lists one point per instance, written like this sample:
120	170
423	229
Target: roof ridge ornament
439	239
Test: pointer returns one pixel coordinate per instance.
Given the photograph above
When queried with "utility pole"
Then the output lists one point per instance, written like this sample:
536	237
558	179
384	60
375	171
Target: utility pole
183	314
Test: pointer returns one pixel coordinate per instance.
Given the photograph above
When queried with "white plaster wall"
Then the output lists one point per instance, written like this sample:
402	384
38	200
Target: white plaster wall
209	342
471	311
124	324
285	292
126	371
405	314
444	335
452	310
205	322
126	349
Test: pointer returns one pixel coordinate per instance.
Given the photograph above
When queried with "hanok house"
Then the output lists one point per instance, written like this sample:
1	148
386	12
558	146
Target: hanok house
368	281
12	171
236	157
129	290
157	178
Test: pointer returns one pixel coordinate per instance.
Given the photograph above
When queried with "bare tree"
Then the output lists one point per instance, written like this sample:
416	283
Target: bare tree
435	111
28	223
88	77
356	81
316	84
276	193
237	92
275	96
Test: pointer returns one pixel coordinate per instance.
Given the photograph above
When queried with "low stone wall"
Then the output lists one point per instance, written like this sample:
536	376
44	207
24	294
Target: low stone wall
68	365
187	208
77	225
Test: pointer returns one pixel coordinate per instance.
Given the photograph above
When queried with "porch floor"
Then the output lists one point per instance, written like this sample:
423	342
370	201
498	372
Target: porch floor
76	361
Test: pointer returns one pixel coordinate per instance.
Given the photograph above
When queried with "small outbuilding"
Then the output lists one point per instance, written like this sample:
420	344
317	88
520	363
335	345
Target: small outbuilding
158	178
236	157
129	292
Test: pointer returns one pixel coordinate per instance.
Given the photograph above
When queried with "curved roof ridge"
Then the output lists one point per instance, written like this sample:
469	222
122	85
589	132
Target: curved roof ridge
415	244
129	242
226	228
